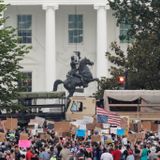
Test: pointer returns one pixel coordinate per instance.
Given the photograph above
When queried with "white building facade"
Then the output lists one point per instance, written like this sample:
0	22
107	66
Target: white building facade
56	28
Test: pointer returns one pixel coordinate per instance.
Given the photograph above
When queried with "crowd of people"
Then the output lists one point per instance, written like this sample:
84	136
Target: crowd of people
78	148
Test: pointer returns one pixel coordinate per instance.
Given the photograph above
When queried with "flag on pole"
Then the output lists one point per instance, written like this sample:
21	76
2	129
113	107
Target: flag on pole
113	118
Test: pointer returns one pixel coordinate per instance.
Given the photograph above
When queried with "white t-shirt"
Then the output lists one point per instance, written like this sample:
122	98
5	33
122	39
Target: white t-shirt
106	156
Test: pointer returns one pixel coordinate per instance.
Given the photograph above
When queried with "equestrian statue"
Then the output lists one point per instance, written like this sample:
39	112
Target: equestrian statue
79	75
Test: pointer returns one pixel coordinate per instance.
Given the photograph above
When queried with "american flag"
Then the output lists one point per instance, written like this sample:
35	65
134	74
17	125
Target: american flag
113	118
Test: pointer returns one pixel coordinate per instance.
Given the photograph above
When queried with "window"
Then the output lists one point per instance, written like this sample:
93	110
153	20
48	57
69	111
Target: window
77	106
124	36
75	28
24	23
25	82
25	85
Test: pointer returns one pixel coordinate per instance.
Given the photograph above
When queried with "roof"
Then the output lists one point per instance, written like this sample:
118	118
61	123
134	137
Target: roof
149	96
39	95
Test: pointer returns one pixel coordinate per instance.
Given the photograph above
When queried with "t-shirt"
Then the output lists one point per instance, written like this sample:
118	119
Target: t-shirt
117	154
29	155
106	156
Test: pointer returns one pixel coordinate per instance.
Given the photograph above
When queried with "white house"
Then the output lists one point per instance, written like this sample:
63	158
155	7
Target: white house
56	28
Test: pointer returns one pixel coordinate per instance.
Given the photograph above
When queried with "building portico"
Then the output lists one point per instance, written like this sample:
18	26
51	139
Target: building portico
57	51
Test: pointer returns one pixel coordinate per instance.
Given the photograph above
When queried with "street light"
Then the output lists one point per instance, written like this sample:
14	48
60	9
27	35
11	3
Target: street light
121	80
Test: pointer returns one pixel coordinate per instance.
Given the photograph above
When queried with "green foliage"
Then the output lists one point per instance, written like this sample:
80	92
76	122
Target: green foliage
142	61
10	55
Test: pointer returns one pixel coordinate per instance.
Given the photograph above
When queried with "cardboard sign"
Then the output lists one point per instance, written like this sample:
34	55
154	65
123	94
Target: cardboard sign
44	136
66	134
11	123
61	127
124	122
2	137
90	126
96	138
140	136
24	143
40	120
146	125
50	124
23	136
132	138
99	125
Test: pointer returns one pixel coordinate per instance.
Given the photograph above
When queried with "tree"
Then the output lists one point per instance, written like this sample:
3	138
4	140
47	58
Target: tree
142	60
11	53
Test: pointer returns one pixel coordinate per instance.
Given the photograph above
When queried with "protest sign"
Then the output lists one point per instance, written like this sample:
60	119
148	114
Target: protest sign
23	136
82	126
11	123
132	138
80	133
88	119
105	131
44	136
99	125
106	125
140	136
96	138
124	122
66	134
24	143
2	126
61	127
113	130
149	126
120	132
90	126
2	137
50	124
40	120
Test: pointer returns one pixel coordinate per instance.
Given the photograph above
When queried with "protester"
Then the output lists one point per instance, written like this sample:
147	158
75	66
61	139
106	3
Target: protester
106	155
51	146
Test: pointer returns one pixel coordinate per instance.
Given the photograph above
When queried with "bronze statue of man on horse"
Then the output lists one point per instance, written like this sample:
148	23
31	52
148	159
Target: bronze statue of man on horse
79	75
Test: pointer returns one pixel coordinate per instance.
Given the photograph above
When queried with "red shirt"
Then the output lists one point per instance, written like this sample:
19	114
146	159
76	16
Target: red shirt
116	154
29	155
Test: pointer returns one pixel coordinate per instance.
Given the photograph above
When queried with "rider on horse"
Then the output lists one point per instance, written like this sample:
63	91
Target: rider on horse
74	72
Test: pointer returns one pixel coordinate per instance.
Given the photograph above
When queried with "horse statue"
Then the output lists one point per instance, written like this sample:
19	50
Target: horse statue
77	77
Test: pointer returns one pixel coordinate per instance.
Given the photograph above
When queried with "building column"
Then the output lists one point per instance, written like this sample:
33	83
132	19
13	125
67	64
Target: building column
50	48
102	62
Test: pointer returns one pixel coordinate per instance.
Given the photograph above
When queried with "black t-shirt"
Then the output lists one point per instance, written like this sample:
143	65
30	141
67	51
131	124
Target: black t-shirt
17	155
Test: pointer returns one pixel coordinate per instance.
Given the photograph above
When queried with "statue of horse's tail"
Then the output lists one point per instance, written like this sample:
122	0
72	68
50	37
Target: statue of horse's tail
56	83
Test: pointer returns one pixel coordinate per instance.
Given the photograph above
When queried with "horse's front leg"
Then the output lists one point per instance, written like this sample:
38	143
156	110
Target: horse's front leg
71	92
